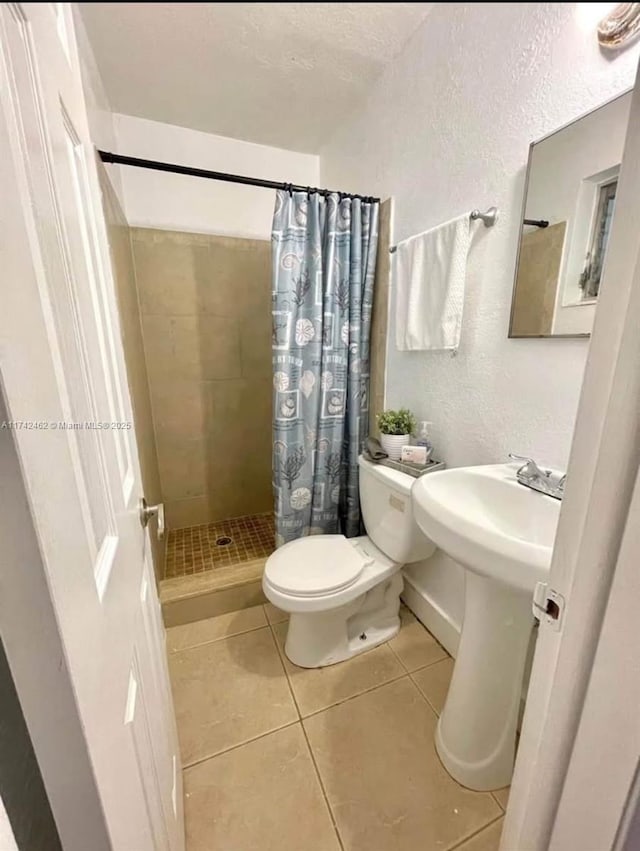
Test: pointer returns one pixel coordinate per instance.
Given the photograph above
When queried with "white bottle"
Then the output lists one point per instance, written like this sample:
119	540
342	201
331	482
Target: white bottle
423	437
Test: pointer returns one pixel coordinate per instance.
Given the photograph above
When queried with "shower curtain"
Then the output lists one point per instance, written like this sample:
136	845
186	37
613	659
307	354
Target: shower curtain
324	257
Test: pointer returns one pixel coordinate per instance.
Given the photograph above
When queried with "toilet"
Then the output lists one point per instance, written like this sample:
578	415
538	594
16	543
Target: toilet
343	594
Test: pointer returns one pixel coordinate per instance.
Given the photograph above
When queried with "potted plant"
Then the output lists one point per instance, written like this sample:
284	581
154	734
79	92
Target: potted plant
395	431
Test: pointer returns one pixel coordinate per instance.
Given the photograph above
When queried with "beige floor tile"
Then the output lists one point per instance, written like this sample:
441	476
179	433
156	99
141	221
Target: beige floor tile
211	629
275	615
414	646
228	692
317	688
502	796
262	796
434	681
487	840
384	782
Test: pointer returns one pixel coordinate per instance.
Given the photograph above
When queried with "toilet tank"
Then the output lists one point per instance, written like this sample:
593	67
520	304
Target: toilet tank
387	510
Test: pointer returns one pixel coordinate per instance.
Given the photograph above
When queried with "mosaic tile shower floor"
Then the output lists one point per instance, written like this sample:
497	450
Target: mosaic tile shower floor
197	549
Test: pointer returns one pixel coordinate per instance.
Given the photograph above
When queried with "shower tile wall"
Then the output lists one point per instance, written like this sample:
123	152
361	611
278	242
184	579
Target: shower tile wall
534	298
124	275
379	318
206	317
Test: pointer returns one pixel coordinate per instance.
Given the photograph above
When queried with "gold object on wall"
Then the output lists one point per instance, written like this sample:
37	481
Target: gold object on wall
620	26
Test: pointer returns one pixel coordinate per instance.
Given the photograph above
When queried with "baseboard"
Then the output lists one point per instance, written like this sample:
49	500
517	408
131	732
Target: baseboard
436	620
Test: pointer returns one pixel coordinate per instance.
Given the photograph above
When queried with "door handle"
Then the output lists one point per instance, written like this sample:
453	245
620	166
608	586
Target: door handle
146	512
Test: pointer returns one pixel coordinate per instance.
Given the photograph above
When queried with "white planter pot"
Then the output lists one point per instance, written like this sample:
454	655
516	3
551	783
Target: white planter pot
393	443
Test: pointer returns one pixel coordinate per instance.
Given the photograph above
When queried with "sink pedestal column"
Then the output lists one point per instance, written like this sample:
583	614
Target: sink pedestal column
476	734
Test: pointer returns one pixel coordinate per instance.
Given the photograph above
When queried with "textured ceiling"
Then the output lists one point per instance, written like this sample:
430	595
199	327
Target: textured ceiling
280	74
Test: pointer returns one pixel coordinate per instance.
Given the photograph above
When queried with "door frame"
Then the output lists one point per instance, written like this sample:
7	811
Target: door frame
586	566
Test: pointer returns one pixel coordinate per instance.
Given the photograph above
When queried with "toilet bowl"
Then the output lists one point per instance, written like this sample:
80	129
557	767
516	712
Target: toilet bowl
343	594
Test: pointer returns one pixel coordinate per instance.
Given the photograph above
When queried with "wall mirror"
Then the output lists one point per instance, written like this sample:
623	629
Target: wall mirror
570	193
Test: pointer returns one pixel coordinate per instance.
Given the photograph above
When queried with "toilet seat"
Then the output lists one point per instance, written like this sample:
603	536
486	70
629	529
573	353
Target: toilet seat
315	566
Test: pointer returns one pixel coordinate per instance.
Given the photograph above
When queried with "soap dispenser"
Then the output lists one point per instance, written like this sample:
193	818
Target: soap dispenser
423	436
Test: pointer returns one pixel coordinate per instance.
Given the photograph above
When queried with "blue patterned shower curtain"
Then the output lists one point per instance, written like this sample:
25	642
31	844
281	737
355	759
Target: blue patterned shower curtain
324	257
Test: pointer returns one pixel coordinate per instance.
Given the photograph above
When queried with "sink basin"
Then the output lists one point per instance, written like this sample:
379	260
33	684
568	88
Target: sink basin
502	534
488	522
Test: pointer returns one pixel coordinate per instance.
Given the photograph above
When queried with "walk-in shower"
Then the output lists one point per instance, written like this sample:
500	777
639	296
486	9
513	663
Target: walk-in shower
205	309
197	321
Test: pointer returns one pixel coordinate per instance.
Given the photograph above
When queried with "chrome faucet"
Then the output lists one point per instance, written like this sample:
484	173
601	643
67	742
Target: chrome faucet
532	476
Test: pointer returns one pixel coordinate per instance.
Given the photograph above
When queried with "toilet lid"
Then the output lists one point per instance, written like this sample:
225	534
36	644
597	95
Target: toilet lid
319	564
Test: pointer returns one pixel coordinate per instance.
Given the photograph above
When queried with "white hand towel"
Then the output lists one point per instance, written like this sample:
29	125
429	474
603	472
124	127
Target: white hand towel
430	272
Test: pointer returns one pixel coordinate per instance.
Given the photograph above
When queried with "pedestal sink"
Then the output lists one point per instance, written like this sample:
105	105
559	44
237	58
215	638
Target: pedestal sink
503	534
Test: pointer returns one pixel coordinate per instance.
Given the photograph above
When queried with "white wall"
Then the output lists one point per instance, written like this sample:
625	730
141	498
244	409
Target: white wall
447	128
175	202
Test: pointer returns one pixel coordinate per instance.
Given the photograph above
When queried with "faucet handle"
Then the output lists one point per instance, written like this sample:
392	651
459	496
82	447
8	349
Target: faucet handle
529	467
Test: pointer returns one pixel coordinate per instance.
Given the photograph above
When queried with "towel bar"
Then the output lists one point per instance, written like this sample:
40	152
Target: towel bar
489	219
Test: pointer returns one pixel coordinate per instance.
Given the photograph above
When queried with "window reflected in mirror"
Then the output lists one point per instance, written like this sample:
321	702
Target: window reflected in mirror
592	272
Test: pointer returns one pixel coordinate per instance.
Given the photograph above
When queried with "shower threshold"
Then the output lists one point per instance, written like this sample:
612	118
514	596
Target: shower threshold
215	568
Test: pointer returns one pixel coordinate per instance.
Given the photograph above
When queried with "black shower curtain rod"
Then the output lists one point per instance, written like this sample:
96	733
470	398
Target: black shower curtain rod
118	159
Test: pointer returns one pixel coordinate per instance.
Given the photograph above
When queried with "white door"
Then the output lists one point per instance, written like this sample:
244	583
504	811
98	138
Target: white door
61	362
558	776
601	791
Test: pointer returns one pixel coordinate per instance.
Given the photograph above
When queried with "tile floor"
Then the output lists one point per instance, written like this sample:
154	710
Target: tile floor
279	758
195	548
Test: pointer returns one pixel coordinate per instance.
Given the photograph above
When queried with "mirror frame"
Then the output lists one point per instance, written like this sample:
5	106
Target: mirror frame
532	145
